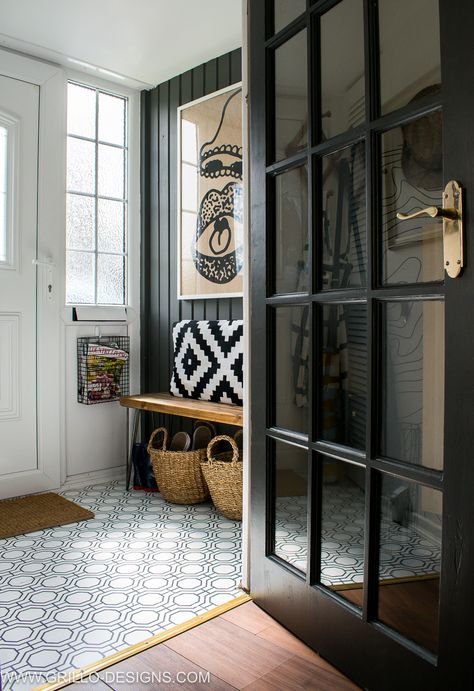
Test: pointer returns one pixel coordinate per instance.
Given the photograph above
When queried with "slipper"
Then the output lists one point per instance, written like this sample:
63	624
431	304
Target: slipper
181	442
239	439
205	423
202	435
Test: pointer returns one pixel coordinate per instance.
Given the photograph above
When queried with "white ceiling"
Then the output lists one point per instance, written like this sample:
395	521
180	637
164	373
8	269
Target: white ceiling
145	41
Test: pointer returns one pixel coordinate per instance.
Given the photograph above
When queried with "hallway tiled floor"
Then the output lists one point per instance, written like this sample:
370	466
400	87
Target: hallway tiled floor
75	594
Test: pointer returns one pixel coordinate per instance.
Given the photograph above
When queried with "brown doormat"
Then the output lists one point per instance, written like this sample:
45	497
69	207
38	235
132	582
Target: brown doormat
38	511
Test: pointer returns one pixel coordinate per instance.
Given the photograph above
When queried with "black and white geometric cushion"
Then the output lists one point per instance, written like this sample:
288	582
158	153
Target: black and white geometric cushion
208	361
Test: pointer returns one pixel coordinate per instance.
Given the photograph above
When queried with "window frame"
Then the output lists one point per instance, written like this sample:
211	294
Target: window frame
130	207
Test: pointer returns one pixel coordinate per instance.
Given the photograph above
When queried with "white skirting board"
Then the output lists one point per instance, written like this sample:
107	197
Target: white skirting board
97	477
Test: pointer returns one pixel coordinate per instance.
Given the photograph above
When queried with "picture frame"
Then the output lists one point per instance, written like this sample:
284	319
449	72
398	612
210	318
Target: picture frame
210	196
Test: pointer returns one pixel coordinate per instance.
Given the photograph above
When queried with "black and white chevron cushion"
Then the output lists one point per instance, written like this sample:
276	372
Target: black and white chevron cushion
208	361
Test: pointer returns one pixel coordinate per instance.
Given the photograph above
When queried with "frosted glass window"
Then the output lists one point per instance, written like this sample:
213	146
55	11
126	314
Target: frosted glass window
80	277
81	110
111	180
110	279
96	208
80	166
3	192
80	222
110	226
111	119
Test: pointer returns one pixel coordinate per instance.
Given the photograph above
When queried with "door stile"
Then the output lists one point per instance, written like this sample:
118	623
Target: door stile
372	488
457	599
258	313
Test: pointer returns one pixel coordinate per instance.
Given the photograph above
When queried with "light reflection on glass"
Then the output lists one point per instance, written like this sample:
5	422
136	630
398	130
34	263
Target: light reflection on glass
410	559
291	504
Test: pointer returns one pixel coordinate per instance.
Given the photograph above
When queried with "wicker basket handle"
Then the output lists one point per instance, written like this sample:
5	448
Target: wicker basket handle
155	433
216	440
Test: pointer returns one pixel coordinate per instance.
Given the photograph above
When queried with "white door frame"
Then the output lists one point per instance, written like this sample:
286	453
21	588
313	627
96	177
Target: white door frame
246	518
50	248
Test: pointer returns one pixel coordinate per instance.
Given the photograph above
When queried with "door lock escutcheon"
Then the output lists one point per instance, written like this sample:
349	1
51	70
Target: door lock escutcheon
452	214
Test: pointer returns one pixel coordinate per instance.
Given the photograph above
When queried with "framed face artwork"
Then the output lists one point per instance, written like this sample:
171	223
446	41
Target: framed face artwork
210	196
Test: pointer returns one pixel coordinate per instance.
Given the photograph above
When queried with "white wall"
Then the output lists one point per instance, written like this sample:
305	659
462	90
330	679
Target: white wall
95	435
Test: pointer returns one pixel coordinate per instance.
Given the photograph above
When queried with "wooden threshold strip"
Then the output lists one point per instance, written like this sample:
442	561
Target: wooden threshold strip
81	674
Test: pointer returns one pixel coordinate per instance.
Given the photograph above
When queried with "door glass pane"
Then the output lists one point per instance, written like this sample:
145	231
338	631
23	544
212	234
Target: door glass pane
291	97
286	11
344	376
410	559
3	192
410	64
342	68
413	382
290	534
291	241
344	218
343	525
412	179
291	368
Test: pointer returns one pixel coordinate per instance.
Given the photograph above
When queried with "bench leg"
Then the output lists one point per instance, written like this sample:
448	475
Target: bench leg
136	420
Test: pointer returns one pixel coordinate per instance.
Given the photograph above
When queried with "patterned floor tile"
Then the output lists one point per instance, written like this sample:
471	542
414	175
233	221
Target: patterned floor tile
72	595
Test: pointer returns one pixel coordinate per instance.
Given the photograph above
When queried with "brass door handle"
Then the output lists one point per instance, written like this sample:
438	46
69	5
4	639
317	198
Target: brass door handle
452	215
433	212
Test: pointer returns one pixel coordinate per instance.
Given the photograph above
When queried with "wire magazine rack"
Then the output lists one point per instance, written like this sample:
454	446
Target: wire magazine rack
103	369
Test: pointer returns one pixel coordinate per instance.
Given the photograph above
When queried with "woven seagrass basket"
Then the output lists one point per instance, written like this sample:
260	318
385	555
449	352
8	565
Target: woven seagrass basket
223	475
177	473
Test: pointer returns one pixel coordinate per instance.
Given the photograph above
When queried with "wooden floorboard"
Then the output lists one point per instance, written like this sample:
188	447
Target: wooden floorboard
242	649
230	652
298	673
165	663
249	617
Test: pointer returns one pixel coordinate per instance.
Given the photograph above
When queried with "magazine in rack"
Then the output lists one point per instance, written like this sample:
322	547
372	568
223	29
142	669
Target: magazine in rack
104	365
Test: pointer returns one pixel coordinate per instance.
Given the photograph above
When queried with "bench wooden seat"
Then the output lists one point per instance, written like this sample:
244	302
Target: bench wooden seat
186	407
183	407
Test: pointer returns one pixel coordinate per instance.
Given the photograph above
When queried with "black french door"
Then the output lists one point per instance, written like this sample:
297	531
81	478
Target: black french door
362	369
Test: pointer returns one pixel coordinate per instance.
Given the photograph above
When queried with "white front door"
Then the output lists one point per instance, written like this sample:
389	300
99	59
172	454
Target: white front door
19	114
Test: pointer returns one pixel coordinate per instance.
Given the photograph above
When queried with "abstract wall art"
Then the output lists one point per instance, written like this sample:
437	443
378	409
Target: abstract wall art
210	196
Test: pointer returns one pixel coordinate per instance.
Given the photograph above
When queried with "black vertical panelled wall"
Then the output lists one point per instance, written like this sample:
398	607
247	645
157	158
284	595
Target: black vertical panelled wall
159	208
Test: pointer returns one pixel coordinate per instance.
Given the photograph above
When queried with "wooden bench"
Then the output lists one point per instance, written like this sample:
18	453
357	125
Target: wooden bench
183	407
